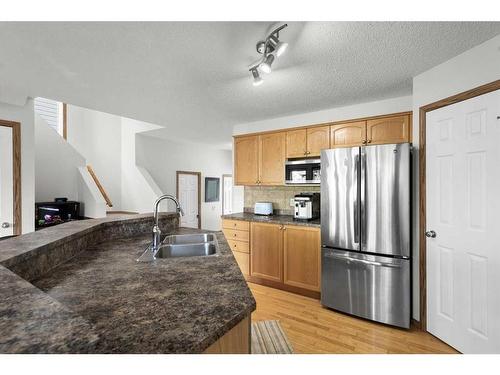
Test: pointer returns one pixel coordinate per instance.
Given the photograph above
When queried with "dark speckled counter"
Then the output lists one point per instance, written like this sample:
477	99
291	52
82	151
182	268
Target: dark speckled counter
276	219
100	300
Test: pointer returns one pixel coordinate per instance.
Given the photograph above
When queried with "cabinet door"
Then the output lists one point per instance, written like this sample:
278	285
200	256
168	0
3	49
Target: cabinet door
246	160
388	130
302	257
272	158
317	140
348	135
266	251
296	143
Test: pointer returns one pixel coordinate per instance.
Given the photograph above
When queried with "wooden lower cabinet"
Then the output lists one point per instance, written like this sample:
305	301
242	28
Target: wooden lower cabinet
266	251
302	257
288	256
236	341
237	233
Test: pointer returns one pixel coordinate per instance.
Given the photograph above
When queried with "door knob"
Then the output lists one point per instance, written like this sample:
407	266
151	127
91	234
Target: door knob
430	234
5	225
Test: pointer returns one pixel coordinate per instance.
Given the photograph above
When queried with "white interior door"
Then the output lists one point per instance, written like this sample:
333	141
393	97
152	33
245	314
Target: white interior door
463	208
228	194
188	199
6	183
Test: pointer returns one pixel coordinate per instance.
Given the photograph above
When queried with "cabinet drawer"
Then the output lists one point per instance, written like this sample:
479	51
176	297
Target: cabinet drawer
239	235
239	246
235	224
243	260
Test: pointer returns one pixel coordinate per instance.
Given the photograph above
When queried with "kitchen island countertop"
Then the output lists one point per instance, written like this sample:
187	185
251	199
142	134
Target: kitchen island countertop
103	301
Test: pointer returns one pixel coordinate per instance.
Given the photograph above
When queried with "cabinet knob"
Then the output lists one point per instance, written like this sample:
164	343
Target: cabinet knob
370	141
430	234
364	142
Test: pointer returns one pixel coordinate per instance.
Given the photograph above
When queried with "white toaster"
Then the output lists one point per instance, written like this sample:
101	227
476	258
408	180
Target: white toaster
263	208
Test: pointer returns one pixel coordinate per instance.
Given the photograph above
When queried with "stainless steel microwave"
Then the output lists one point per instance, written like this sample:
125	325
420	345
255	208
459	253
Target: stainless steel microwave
303	171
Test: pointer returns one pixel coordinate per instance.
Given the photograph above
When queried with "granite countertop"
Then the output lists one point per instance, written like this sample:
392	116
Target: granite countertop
277	219
103	301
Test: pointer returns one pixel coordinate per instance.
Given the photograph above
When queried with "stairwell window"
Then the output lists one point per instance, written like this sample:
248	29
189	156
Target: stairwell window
54	114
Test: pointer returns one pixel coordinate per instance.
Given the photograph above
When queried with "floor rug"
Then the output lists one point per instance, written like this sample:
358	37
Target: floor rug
268	338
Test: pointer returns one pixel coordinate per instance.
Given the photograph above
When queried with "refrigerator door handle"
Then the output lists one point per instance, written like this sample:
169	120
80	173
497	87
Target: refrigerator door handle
369	262
362	194
356	200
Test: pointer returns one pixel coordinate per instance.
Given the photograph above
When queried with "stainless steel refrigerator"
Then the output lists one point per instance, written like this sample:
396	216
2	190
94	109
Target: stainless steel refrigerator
365	232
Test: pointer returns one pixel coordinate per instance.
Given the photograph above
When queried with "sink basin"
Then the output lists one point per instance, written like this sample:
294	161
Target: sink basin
186	250
179	239
183	245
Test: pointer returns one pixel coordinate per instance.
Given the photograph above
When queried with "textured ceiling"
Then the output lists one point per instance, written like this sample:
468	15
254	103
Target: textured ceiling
192	78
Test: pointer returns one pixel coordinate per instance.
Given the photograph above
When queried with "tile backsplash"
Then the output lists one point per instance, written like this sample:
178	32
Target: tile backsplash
279	195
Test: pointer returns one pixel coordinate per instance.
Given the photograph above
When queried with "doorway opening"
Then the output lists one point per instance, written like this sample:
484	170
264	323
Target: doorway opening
10	179
445	129
188	192
227	195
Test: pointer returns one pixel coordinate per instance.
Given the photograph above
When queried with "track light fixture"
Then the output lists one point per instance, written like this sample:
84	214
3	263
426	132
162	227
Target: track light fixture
257	80
270	48
265	66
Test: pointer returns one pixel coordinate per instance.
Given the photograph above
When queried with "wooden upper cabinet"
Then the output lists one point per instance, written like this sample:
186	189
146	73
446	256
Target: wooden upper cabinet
296	143
348	134
246	160
318	138
272	158
388	130
266	254
302	257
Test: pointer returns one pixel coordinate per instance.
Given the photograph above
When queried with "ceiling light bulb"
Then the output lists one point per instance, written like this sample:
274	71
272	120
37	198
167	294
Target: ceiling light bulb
277	46
281	48
266	64
257	79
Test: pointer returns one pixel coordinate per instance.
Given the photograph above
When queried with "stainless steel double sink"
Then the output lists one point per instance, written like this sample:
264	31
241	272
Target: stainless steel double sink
183	245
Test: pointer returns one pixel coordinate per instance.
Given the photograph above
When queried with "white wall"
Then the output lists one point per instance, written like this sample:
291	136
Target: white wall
56	164
380	107
97	136
162	158
23	113
138	189
475	67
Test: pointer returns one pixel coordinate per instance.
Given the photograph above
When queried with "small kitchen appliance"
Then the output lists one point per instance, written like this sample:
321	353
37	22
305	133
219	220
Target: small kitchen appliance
263	208
303	172
306	206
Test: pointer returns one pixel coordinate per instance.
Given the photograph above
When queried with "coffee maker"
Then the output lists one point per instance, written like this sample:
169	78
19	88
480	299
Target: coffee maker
306	206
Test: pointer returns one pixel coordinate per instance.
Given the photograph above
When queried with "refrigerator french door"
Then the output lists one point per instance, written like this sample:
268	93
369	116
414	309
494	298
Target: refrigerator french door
365	232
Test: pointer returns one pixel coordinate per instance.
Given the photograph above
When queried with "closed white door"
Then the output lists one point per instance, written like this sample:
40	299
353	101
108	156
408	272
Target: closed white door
188	199
6	183
463	209
228	194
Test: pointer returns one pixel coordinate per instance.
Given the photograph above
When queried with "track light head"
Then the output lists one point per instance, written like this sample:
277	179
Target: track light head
257	79
265	66
278	47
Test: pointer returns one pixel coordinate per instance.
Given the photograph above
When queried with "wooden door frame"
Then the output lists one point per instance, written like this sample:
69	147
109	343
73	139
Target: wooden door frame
177	173
477	91
16	178
224	175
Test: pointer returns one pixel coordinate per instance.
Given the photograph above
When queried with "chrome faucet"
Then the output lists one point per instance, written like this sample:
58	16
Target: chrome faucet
156	229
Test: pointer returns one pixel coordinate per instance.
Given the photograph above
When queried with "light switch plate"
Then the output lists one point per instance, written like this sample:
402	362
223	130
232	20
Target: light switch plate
292	202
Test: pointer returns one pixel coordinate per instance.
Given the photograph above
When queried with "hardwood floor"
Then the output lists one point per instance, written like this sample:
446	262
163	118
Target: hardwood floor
312	328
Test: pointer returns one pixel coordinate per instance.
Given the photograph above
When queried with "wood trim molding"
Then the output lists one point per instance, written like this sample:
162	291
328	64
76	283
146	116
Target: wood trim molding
408	113
16	178
177	173
99	186
65	121
477	91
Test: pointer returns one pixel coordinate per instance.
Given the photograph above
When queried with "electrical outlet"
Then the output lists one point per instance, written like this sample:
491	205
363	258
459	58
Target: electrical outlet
292	202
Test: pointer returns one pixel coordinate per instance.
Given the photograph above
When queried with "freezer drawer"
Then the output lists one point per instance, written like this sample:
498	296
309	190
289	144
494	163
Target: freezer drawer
372	287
